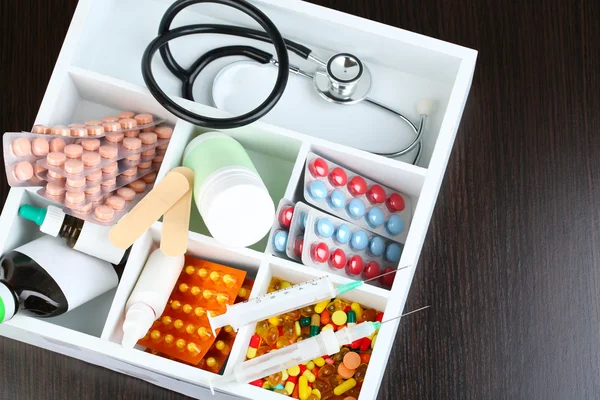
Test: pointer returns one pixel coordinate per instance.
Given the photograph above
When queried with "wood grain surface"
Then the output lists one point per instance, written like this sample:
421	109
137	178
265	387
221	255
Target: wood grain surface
510	263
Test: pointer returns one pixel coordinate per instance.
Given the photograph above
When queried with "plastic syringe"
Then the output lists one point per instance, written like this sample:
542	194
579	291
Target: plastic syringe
327	342
280	302
283	301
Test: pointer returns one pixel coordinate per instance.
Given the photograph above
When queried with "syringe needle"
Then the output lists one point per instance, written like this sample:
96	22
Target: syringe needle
387	273
404	315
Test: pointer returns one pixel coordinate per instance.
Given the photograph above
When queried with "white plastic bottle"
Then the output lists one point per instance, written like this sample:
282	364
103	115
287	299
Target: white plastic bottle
150	295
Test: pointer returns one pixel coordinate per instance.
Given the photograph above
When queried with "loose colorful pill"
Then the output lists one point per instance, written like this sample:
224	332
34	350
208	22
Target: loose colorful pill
355	265
320	252
254	343
280	240
325	318
338	177
339	317
376	246
352	360
342	234
324	228
376	194
394	225
337	199
317	190
359	241
395	203
375	217
393	252
344	387
344	371
318	168
356	208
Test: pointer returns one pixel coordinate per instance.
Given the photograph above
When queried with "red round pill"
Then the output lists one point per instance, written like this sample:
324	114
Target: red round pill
319	168
299	246
372	269
320	252
355	265
388	279
357	186
338	177
337	259
285	216
376	194
395	203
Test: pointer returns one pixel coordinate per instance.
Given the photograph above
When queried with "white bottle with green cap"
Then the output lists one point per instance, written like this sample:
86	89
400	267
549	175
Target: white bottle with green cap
47	278
80	235
229	193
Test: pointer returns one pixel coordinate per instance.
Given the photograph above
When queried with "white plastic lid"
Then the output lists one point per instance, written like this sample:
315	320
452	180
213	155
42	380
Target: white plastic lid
53	221
138	321
236	206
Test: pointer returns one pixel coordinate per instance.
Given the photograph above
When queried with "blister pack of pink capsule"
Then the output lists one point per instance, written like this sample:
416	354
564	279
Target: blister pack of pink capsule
281	227
78	160
340	247
110	207
354	198
127	123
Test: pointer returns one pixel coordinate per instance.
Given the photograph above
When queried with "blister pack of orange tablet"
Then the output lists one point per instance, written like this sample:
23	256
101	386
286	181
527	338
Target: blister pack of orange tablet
183	332
214	359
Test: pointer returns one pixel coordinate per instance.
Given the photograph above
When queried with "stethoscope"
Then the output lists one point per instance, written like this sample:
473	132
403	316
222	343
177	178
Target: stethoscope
343	79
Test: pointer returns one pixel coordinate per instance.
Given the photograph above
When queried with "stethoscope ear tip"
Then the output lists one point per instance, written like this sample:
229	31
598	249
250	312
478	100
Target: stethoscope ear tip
425	107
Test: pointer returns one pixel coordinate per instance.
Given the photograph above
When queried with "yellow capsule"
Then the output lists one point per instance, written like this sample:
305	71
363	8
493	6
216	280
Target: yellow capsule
297	329
169	339
284	375
373	341
310	365
192	348
357	310
222	298
202	273
178	324
183	288
199	311
204	333
175	305
190	329
190	270
294	371
211	362
344	387
208	294
319	361
285	285
229	281
317	393
166	320
319	307
303	388
228	329
243	292
187	308
327	327
180	343
309	375
155	334
215	276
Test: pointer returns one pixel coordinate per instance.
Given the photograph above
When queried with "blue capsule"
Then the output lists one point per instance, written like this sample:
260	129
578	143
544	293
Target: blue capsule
394	225
342	234
356	208
337	199
325	228
393	252
377	246
359	240
280	241
375	217
317	190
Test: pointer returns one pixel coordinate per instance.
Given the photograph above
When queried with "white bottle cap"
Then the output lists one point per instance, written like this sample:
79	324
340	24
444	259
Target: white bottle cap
138	321
236	206
53	221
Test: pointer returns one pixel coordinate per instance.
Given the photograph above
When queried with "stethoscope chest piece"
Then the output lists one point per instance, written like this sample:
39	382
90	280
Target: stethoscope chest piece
343	79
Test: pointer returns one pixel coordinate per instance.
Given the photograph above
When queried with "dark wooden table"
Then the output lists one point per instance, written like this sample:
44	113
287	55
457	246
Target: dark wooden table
510	264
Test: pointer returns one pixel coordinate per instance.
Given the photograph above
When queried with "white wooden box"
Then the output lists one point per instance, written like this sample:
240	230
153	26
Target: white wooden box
98	72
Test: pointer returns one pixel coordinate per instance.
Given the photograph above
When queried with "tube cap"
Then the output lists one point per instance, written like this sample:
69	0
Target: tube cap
138	321
32	213
50	220
8	303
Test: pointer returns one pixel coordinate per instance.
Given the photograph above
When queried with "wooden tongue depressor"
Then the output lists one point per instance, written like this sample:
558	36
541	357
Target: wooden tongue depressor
176	221
162	197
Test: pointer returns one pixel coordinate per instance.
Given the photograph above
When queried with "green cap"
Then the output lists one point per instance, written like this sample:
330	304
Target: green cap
32	213
348	287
